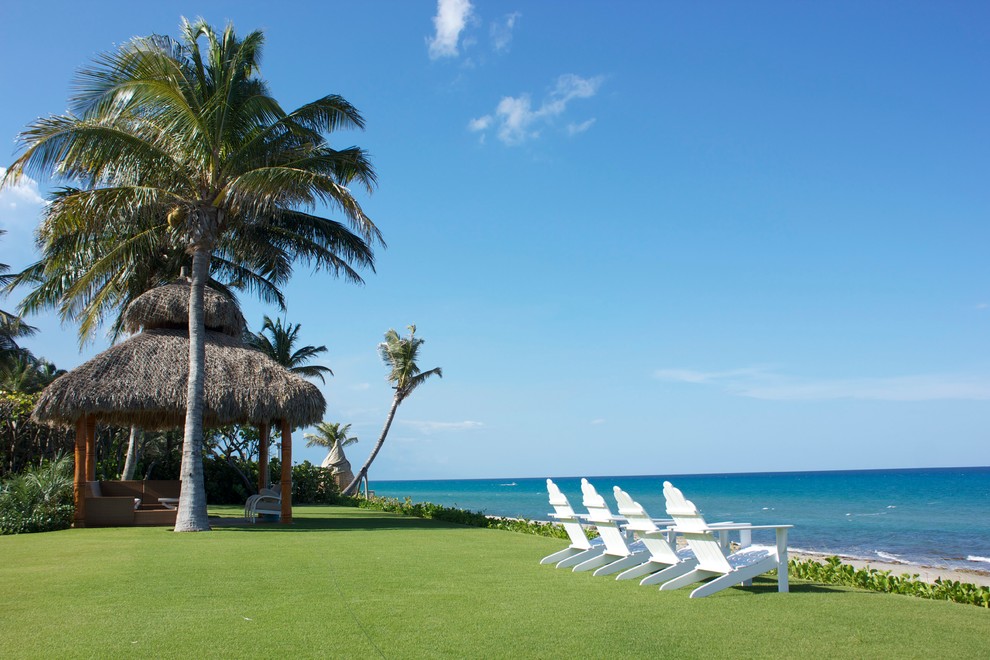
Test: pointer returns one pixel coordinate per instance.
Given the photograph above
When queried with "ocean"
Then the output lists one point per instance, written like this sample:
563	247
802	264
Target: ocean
928	517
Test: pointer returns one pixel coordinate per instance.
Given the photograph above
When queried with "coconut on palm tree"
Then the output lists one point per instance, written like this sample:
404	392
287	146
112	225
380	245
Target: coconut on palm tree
277	341
186	130
399	354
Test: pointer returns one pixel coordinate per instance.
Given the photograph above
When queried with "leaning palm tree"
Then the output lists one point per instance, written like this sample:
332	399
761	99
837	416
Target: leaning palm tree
399	355
277	341
185	130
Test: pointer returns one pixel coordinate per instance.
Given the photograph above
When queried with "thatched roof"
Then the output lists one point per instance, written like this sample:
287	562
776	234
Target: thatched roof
168	307
143	381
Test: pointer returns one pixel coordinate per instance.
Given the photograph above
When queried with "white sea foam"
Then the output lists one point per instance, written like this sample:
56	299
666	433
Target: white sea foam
892	506
978	558
886	556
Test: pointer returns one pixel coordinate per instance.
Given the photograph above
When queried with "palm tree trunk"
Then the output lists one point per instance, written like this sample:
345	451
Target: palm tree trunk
130	464
192	515
363	472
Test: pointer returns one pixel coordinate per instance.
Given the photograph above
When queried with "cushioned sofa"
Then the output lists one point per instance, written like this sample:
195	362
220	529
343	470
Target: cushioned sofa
129	503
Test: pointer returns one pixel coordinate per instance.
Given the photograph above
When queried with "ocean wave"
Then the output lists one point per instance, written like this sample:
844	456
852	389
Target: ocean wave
887	556
978	558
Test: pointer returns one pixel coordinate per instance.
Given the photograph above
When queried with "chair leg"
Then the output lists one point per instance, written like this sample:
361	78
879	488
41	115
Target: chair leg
669	573
560	556
738	576
635	559
696	575
594	563
640	571
580	557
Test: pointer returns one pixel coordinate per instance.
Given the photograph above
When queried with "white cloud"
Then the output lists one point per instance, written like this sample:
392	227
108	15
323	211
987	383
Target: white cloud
760	383
597	422
501	32
360	387
24	192
575	129
451	18
434	427
517	121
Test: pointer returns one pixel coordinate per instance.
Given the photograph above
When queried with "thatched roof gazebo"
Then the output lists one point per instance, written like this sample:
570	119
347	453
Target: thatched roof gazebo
143	382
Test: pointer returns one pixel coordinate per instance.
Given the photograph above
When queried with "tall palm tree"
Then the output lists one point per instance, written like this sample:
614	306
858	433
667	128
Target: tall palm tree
184	129
399	354
328	434
277	341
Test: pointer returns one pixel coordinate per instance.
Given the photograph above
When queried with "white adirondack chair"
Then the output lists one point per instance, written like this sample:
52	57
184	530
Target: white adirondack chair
267	502
619	553
581	548
664	562
727	570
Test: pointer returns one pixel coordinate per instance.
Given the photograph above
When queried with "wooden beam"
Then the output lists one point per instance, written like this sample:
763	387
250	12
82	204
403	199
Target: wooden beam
264	430
286	473
91	448
79	476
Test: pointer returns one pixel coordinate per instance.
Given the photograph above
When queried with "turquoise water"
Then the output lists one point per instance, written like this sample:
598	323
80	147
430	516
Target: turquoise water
931	517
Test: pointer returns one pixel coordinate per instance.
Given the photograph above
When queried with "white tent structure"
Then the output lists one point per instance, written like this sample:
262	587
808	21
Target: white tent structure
339	466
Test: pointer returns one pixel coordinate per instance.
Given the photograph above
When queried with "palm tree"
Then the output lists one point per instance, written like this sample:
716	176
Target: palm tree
399	355
329	433
170	128
12	327
277	341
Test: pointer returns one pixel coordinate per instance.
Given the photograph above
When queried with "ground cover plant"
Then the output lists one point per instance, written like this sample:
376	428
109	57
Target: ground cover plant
346	581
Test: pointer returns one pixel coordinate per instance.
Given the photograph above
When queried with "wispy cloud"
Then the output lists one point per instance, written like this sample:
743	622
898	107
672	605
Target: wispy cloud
761	383
516	120
440	427
501	32
597	422
20	211
451	19
575	129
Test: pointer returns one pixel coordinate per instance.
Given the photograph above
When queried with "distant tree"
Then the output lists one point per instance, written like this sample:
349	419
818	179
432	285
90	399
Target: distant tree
12	327
399	355
277	342
328	433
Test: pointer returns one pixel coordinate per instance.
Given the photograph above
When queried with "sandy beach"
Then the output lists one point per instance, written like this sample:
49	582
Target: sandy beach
926	573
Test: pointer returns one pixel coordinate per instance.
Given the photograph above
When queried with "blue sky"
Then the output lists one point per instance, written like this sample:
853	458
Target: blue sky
639	237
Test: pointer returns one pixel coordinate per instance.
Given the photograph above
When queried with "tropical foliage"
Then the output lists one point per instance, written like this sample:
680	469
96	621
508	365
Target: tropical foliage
22	442
184	130
39	499
399	354
329	433
278	342
833	571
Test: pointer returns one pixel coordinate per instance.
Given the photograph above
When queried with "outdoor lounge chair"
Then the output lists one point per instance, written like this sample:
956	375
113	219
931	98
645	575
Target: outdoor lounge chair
619	553
581	548
663	562
713	562
267	502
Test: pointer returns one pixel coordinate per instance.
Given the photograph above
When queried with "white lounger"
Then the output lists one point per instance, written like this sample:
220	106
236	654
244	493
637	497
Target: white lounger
619	554
581	548
736	568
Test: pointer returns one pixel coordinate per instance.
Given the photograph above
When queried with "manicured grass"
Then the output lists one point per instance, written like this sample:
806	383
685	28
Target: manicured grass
345	582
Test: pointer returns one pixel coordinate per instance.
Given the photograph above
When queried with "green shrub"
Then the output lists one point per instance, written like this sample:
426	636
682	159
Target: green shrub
833	571
39	499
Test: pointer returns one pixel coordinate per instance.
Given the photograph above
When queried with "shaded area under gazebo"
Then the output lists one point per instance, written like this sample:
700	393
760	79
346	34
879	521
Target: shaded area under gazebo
142	381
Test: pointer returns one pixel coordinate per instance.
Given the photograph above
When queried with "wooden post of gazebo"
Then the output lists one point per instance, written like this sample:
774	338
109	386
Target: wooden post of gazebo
263	441
91	448
286	516
79	476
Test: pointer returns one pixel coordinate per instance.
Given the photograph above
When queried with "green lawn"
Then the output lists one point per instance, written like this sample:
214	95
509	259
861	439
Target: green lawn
346	582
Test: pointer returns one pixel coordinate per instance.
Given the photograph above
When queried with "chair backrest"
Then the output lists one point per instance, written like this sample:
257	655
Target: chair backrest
601	516
692	526
644	527
567	517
